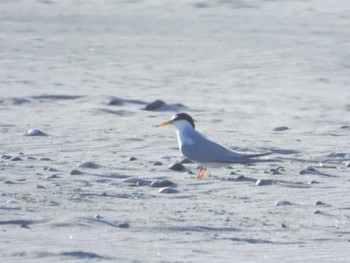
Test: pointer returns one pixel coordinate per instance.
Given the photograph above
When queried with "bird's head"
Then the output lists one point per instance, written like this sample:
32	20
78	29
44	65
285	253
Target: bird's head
179	120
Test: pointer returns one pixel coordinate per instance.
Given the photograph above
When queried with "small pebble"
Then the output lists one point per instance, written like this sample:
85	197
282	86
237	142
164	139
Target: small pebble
9	182
157	163
116	102
35	132
75	172
319	203
131	159
176	167
154	105
262	182
88	164
124	225
39	186
6	156
54	176
282	203
168	190
347	164
16	159
283	225
345	127
98	216
25	226
44	159
136	181
50	169
281	128
161	183
30	158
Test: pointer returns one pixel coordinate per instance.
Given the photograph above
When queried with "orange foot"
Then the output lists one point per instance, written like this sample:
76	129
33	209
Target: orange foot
201	172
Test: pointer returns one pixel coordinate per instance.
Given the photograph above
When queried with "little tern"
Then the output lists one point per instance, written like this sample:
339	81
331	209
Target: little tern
203	151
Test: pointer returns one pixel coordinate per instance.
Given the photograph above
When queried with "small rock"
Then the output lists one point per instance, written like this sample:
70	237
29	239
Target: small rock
161	183
281	128
124	225
282	203
35	132
131	159
347	164
75	172
116	102
98	216
54	176
16	159
30	158
25	226
317	212
168	190
88	164
283	225
44	159
262	182
6	157
319	203
157	163
154	105
39	186
345	127
136	181
9	182
176	167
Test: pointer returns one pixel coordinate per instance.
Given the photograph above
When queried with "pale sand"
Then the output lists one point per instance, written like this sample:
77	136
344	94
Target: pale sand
240	68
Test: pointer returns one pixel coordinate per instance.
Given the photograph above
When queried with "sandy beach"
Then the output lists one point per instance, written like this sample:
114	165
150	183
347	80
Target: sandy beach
84	171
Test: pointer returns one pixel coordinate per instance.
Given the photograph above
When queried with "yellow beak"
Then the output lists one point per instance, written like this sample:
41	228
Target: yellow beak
165	123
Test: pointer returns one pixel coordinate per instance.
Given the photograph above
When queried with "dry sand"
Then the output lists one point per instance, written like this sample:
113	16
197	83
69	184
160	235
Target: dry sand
240	68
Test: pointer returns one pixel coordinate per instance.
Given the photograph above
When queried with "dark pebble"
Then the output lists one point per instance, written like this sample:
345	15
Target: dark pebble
75	172
176	167
54	176
283	225
25	226
116	102
9	182
161	183
154	105
16	159
168	190
132	159
157	163
44	159
88	164
347	164
6	157
39	186
123	225
281	128
345	127
319	203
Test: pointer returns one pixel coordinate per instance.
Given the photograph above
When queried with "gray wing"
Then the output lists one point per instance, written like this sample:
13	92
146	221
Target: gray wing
203	150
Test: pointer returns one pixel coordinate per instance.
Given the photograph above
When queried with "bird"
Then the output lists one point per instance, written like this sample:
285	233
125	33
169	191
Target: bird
203	151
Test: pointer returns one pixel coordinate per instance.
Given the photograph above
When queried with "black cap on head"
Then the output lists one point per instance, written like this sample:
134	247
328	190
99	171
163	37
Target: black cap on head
183	116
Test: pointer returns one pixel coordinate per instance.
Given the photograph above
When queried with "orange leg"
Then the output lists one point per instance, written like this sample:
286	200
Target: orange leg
201	172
